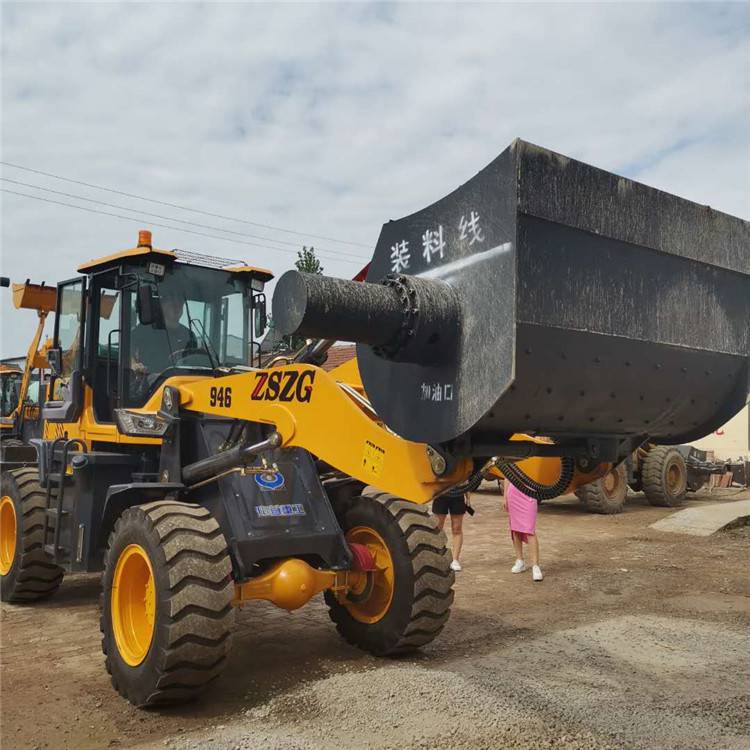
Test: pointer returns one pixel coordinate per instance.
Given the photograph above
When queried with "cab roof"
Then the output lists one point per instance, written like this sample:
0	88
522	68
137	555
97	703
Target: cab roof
145	248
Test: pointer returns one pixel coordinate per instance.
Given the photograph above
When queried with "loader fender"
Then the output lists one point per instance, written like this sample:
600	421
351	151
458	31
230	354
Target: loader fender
123	496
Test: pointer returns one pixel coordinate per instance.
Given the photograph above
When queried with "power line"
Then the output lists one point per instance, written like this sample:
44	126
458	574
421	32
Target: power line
184	208
181	221
158	224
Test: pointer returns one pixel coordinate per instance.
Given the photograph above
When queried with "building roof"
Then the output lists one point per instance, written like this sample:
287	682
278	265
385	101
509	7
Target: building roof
339	354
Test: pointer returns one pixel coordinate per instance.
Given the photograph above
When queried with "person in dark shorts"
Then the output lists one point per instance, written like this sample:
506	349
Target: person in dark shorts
456	507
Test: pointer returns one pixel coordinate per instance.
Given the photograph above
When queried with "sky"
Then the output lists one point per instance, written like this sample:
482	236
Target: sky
330	119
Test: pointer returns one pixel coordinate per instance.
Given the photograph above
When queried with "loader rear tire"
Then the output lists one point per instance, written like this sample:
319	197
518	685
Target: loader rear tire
664	476
606	495
27	572
167	615
410	596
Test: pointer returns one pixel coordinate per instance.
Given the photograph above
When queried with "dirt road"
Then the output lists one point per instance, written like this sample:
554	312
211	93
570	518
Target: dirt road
636	638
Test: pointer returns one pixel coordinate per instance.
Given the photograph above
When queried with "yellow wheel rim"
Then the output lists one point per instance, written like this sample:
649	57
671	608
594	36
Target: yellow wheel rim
8	533
611	483
674	479
133	604
370	594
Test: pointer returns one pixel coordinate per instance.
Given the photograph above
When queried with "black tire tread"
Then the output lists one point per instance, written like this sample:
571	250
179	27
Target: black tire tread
37	576
594	496
652	476
195	635
14	443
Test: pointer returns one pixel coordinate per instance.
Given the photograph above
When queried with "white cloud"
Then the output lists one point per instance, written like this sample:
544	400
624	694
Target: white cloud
334	118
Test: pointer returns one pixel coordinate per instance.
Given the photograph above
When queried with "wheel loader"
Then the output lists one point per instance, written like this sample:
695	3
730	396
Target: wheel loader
198	479
23	390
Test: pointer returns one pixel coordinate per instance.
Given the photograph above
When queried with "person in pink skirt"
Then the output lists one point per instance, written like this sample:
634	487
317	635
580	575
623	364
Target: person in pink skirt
522	518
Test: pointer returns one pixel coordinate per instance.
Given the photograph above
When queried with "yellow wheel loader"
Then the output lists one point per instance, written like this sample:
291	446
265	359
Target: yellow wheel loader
198	480
23	390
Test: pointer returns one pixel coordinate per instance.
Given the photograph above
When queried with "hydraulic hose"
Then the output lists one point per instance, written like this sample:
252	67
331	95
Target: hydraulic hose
470	485
523	482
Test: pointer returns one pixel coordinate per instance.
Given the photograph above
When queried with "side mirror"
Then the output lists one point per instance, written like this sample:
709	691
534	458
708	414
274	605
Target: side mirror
260	319
54	357
149	307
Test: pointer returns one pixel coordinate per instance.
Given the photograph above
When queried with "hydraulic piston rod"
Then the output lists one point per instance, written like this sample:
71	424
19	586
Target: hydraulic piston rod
213	465
404	318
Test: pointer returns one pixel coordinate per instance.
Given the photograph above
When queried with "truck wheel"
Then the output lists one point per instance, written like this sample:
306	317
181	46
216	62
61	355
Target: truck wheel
406	602
607	495
27	572
167	615
664	476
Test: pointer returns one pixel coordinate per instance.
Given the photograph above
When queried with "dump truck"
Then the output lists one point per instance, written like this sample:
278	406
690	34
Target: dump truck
199	479
23	391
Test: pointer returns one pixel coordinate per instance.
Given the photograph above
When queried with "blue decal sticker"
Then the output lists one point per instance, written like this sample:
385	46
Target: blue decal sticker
268	511
270	480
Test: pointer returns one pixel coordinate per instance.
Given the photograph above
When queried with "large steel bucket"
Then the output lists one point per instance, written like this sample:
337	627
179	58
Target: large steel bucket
546	296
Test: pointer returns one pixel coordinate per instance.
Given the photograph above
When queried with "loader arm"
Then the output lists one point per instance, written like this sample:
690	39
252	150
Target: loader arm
310	409
315	410
33	361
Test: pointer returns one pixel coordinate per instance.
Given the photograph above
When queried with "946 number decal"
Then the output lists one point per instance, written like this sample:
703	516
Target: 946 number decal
220	396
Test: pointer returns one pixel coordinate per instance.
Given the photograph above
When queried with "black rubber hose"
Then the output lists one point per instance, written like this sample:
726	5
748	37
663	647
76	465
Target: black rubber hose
539	492
470	485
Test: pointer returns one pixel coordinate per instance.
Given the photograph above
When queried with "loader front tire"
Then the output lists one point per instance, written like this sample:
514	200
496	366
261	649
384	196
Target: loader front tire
606	495
167	615
27	572
407	601
664	476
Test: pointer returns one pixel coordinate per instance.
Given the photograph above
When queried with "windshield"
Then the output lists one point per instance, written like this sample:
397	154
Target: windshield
198	320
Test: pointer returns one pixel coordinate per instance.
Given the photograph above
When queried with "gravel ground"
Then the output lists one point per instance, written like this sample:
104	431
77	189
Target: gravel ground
635	639
624	682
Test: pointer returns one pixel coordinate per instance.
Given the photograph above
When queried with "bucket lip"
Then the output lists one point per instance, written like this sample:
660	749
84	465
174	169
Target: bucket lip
546	177
567	191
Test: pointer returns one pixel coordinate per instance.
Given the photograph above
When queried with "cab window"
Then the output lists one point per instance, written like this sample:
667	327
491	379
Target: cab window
68	334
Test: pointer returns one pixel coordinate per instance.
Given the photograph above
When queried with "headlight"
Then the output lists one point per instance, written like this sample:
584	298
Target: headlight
138	423
170	401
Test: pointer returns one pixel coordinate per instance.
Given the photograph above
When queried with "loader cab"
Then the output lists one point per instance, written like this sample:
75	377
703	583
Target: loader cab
145	315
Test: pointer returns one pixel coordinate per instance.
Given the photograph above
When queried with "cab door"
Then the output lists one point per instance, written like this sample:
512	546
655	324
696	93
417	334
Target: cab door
66	354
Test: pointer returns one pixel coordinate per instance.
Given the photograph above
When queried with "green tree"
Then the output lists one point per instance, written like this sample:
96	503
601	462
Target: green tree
307	261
